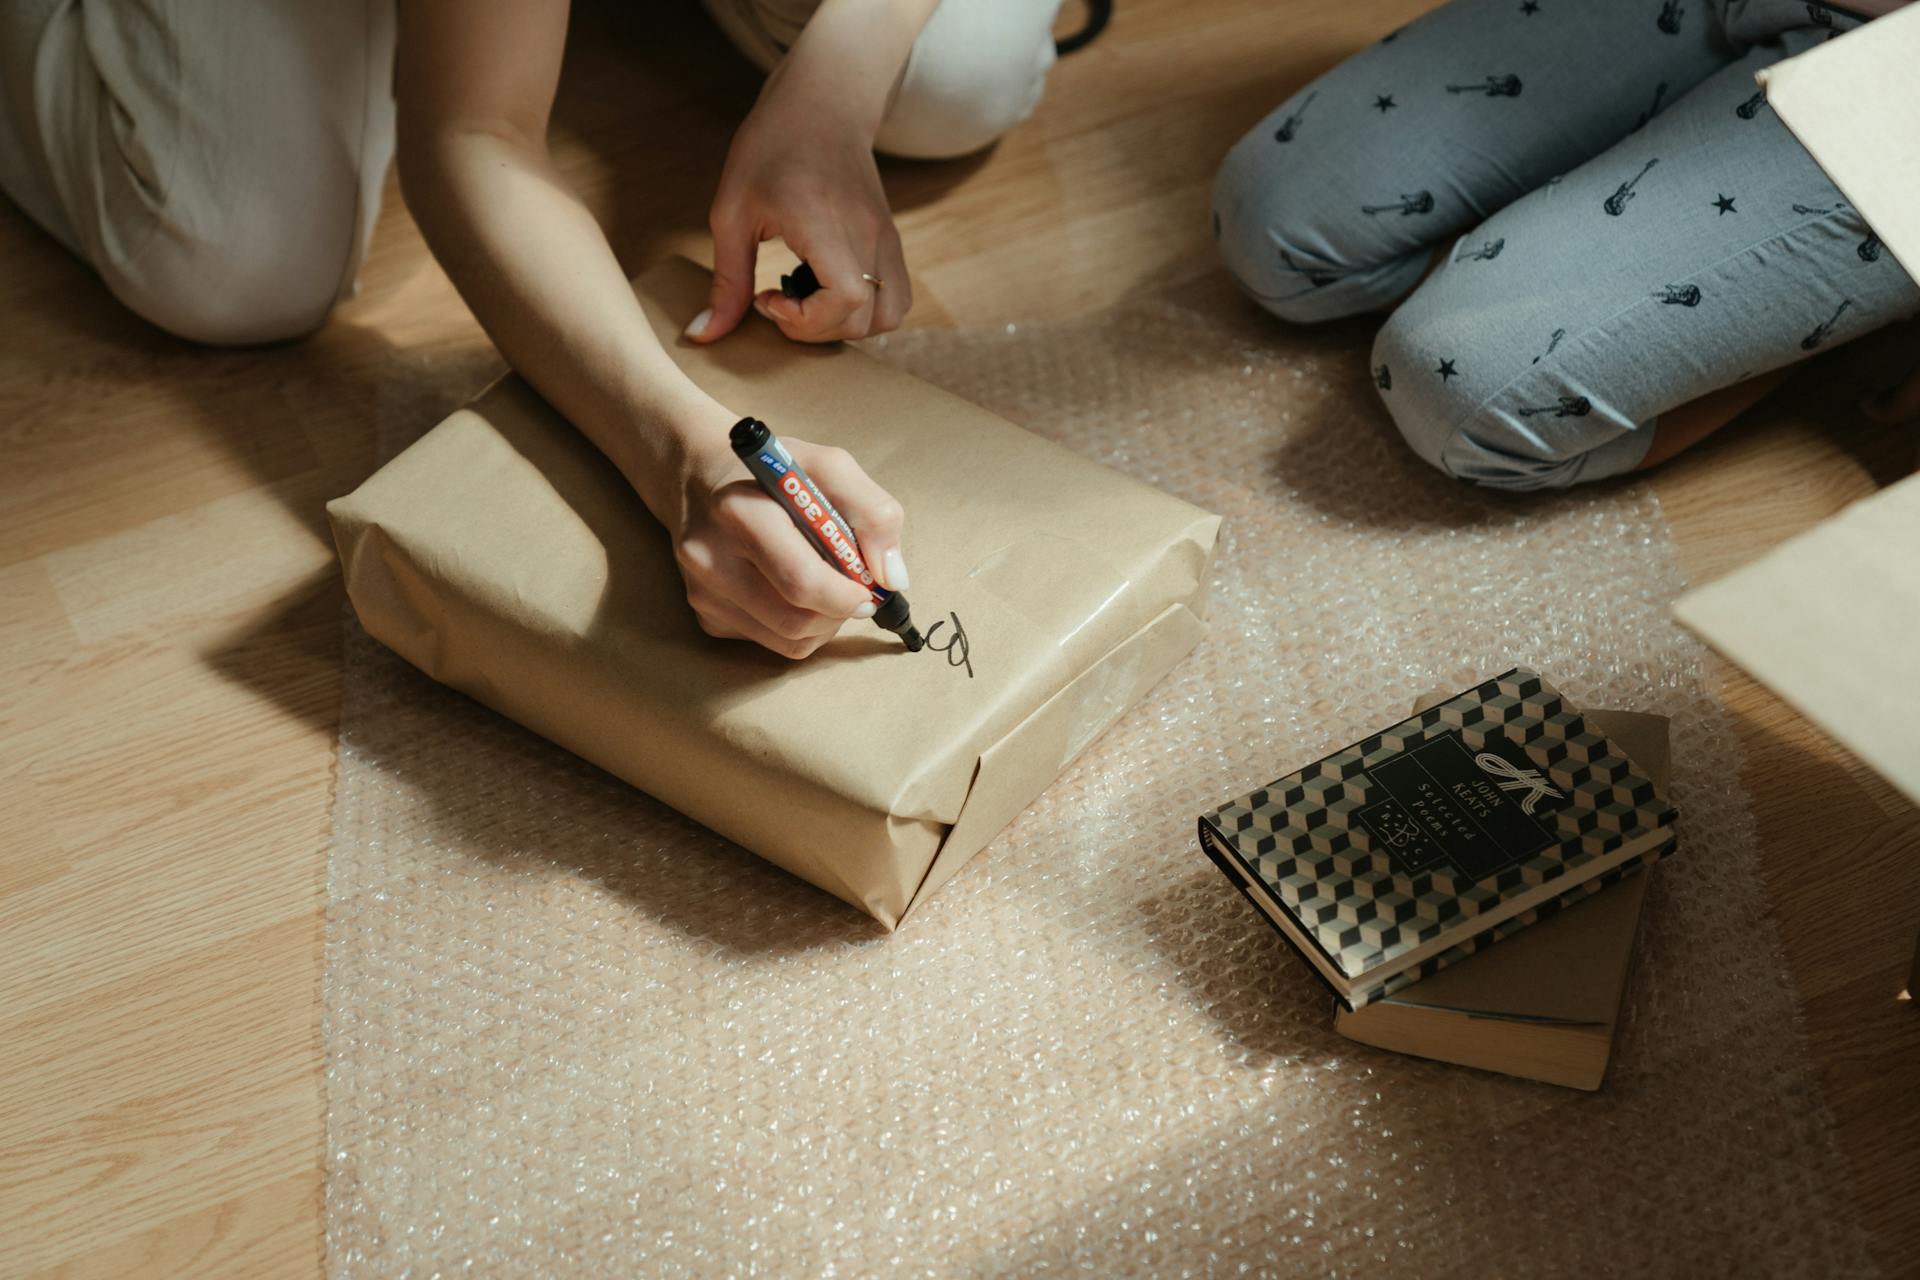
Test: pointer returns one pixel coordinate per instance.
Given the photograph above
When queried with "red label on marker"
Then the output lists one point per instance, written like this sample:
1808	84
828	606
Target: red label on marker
825	522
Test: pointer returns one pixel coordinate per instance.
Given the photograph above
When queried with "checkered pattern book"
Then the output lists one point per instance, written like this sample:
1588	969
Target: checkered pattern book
1435	824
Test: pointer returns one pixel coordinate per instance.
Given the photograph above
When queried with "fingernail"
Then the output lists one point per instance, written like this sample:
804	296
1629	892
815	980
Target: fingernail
865	610
896	570
698	325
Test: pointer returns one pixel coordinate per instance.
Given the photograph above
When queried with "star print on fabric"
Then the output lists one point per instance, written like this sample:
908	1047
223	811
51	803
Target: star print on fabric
1385	103
1446	371
1725	205
1530	8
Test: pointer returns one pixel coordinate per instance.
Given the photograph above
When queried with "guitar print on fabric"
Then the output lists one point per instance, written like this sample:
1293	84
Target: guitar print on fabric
1493	87
1317	278
1821	332
1653	109
1291	125
1564	407
1406	206
1616	204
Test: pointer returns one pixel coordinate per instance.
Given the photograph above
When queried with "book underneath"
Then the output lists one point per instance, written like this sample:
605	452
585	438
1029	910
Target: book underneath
1407	851
1546	1003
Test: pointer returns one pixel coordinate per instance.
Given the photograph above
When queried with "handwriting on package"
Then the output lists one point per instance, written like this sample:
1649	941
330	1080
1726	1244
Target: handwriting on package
503	555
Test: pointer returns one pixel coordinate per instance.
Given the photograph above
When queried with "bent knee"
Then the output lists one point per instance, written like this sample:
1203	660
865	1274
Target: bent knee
255	251
1459	409
253	239
229	310
250	289
1288	248
977	70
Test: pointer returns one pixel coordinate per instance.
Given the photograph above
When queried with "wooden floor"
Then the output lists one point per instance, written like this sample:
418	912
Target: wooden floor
169	627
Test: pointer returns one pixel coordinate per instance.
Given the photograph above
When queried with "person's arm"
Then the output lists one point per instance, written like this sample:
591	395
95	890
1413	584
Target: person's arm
475	82
801	168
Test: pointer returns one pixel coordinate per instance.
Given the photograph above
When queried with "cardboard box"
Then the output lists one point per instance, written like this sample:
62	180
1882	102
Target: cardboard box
1854	104
1830	621
504	556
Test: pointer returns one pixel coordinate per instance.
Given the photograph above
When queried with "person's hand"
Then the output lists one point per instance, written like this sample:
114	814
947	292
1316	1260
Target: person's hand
751	575
801	168
796	174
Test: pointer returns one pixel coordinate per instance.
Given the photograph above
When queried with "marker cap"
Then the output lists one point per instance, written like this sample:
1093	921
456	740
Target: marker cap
749	435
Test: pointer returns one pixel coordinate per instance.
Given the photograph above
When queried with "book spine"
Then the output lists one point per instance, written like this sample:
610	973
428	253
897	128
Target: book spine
1407	977
1212	841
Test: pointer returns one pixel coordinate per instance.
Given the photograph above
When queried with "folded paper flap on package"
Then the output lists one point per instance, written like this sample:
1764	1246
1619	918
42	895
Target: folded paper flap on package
503	555
1046	741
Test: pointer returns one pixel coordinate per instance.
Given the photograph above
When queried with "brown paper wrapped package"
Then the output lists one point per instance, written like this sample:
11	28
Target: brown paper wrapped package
504	556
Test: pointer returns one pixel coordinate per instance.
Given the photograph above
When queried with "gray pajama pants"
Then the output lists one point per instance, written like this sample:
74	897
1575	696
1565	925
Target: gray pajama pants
1624	224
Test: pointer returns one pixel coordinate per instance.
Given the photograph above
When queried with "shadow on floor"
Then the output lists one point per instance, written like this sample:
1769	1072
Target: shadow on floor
541	811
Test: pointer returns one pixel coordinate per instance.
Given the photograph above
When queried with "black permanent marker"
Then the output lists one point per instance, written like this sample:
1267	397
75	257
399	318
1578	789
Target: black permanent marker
801	284
789	485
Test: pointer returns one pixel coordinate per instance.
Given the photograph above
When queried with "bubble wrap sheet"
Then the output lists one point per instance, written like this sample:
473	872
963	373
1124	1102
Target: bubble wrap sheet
570	1032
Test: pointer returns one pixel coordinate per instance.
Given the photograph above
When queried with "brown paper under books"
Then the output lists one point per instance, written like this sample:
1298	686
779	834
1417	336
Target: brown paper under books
1544	1002
503	555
